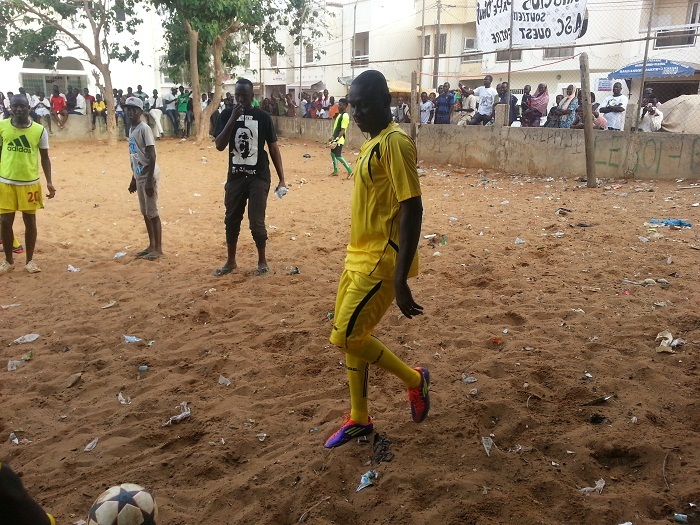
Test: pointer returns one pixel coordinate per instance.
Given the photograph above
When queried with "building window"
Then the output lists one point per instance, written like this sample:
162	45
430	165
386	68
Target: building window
309	53
558	52
469	51
443	44
426	46
360	46
502	56
273	60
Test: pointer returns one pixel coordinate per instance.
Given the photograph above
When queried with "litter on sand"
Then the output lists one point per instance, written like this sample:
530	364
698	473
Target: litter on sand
586	491
487	442
73	269
185	412
123	400
366	480
90	446
29	338
224	381
132	339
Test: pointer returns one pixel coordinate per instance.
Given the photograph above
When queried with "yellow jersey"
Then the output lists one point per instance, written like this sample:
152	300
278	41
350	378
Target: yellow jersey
385	175
20	153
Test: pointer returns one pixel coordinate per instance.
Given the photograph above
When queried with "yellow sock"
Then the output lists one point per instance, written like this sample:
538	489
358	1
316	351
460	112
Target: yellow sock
375	353
358	378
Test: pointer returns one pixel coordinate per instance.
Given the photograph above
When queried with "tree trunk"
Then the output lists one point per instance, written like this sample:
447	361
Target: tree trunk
196	93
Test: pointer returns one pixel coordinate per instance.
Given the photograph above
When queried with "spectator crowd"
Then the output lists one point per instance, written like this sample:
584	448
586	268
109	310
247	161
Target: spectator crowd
463	106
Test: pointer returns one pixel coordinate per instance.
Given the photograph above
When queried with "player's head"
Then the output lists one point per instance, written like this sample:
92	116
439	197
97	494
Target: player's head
244	93
342	104
134	108
19	106
371	102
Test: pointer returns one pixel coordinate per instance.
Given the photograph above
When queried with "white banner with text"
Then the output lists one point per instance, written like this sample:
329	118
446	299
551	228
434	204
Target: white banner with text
535	22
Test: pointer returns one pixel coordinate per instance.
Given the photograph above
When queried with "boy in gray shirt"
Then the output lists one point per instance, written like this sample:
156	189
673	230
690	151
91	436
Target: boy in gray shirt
145	176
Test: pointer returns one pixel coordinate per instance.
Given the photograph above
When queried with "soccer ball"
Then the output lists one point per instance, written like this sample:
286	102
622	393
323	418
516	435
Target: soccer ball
125	504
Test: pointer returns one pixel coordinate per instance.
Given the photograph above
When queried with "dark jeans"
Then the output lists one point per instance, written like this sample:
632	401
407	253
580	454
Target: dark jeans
254	191
102	115
480	119
174	119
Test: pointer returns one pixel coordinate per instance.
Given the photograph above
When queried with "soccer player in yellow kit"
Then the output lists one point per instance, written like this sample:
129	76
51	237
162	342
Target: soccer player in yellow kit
382	254
22	142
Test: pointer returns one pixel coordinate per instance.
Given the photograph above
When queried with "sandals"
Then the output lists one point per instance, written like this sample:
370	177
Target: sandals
262	271
151	257
224	270
142	253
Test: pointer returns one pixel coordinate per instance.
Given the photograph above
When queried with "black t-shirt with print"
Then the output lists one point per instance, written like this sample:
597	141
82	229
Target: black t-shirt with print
247	155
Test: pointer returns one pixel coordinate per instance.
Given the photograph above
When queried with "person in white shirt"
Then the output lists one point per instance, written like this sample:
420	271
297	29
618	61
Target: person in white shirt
486	97
468	105
170	101
614	107
155	103
651	116
79	103
427	108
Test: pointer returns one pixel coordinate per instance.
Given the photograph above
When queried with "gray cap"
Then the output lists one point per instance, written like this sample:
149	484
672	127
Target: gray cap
135	102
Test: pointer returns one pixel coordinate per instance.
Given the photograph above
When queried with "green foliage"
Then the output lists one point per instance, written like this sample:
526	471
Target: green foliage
41	30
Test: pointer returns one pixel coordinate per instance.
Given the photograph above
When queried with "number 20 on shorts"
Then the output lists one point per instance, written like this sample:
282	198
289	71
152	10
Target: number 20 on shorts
33	196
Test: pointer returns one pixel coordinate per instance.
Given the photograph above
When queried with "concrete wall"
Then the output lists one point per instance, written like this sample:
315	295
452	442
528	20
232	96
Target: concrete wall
80	126
547	152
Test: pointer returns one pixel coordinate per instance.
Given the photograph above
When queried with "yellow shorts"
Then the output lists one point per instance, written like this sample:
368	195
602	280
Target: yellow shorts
361	303
26	199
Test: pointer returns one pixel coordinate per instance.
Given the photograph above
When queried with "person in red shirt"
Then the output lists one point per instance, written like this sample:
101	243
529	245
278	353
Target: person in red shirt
89	99
58	108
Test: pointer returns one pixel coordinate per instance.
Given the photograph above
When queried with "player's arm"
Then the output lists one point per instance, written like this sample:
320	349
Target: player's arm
224	138
46	163
276	157
150	168
410	220
16	504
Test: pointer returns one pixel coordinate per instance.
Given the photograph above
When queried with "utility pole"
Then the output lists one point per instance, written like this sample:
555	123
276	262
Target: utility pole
352	51
436	64
422	47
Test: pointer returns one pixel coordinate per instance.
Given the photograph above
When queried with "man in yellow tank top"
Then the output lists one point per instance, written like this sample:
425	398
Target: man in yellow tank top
385	225
22	142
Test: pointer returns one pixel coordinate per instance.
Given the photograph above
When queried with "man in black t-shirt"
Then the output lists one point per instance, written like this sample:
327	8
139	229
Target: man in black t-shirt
245	130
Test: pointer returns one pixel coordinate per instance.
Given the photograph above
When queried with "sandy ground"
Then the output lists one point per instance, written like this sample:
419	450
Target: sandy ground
544	327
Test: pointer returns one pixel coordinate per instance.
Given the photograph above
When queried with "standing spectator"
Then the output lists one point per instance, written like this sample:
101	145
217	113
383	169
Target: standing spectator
427	108
182	101
525	100
190	112
442	107
468	106
246	130
403	112
614	107
2	105
291	105
651	115
80	108
552	117
145	176
141	95
325	102
58	107
99	110
70	100
20	188
155	103
332	109
538	104
340	127
204	102
506	97
450	98
566	109
89	99
486	96
42	110
267	106
386	216
305	103
170	101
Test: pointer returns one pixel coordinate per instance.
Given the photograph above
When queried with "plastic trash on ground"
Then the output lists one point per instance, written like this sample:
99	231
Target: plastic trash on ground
29	338
91	446
14	364
586	491
665	344
487	442
185	412
366	480
131	339
224	381
73	269
123	400
119	255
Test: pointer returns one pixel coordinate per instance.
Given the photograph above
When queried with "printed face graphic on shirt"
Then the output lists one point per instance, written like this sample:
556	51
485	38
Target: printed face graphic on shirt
245	143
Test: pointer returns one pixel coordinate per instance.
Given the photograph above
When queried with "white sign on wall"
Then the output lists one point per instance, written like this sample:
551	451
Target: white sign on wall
535	22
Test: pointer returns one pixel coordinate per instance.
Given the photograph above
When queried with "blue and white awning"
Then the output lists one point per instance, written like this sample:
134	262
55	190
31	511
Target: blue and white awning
656	68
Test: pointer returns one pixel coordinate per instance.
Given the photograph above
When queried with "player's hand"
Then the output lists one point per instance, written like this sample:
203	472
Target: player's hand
405	302
149	189
132	186
282	184
237	112
52	191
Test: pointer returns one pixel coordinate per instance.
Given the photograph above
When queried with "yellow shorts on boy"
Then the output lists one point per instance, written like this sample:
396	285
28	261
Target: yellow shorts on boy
24	198
361	303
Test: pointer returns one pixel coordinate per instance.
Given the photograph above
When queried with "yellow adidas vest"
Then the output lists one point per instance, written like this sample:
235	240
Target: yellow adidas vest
20	153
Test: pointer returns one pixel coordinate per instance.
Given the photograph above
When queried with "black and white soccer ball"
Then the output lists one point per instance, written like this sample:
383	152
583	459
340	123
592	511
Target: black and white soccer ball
125	504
